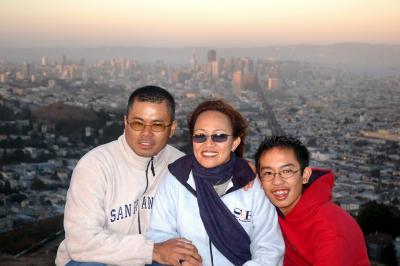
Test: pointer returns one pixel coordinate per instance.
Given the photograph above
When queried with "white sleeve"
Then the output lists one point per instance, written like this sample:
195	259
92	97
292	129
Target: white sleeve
86	236
267	245
163	218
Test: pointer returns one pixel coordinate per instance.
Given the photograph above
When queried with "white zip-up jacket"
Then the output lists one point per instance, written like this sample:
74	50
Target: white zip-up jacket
176	214
108	205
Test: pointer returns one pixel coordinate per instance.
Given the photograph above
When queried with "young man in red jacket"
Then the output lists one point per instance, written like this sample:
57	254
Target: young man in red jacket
316	231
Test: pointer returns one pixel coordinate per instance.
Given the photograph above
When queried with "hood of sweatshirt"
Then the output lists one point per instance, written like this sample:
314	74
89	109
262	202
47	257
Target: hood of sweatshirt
317	192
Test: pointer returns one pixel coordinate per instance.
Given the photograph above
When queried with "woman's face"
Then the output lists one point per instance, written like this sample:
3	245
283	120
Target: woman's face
212	153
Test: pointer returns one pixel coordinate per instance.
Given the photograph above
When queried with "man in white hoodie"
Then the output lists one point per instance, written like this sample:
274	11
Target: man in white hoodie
112	188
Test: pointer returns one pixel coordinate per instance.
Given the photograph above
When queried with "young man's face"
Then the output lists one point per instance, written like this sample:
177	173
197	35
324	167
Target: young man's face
146	142
284	193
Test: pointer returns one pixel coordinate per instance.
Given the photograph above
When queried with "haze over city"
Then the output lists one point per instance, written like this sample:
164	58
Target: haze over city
175	23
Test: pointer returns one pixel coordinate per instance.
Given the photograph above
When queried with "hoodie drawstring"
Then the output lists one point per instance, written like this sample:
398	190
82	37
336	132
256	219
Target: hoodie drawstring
151	164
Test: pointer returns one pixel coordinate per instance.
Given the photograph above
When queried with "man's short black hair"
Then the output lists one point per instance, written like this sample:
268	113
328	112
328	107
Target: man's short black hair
152	94
300	150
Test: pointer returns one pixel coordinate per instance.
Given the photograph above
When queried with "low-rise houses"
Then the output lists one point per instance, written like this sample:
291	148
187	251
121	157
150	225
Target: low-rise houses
349	122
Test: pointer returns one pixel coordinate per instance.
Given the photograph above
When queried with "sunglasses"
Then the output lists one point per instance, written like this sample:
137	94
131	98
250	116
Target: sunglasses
218	137
155	127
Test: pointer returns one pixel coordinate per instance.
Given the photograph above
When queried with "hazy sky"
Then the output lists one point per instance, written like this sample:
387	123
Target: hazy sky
211	23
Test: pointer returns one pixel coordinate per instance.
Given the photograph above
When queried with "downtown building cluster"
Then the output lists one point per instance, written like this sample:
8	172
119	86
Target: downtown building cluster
350	122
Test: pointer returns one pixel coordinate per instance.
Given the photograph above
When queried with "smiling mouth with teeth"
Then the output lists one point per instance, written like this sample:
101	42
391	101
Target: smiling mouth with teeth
209	153
281	194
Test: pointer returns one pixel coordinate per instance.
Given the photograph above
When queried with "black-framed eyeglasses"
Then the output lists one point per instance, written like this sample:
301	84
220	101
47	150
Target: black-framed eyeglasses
155	127
217	137
284	174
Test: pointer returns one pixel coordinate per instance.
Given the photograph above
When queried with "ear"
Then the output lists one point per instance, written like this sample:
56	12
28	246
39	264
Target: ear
173	128
236	143
306	174
125	120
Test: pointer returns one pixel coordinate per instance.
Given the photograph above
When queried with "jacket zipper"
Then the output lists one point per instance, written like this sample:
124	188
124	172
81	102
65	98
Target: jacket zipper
150	163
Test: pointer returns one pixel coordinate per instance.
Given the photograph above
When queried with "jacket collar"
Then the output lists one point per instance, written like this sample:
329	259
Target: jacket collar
317	192
140	162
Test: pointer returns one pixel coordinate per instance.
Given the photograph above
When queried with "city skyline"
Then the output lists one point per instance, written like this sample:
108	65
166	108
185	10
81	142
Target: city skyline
252	23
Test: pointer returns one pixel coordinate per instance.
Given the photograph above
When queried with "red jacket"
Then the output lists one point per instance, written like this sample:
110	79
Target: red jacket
318	232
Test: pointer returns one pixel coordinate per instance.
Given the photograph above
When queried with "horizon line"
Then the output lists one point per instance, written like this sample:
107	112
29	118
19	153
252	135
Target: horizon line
194	46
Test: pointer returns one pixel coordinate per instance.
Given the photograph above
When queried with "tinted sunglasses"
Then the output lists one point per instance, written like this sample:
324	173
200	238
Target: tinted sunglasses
218	137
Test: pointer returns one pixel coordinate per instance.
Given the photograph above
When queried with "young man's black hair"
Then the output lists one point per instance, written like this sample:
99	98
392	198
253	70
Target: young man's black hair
300	150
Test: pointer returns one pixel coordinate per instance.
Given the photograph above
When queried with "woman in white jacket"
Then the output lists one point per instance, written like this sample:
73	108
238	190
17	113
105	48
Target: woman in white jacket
202	197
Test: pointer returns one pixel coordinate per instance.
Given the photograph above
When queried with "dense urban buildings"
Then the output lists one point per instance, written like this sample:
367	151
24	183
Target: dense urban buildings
54	112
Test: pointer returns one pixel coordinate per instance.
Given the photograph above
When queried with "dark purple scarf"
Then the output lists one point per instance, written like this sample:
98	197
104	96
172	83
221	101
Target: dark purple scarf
223	229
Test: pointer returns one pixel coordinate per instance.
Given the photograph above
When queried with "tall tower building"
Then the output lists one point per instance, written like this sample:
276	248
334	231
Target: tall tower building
211	56
64	60
249	81
214	70
72	72
26	70
212	65
273	80
237	82
273	84
44	61
248	65
193	61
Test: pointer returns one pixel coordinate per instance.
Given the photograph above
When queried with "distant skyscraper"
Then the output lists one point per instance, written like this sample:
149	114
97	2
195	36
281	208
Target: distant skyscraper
222	68
72	72
211	56
237	82
214	70
193	61
249	81
64	60
273	72
44	61
273	84
26	70
248	65
212	65
238	64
